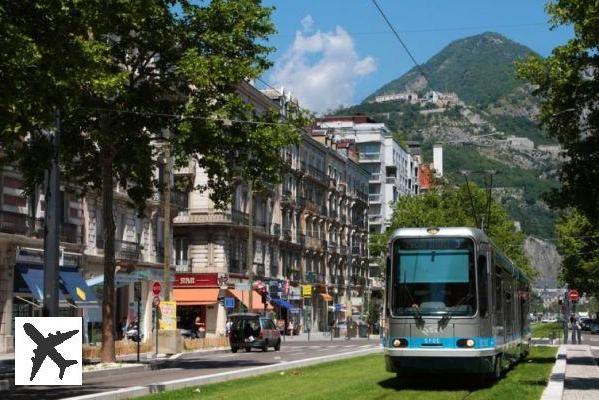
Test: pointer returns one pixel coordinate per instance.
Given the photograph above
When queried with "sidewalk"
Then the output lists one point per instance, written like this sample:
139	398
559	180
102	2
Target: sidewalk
320	336
582	374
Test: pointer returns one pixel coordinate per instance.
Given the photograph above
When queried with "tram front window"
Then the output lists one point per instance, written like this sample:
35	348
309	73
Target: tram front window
434	276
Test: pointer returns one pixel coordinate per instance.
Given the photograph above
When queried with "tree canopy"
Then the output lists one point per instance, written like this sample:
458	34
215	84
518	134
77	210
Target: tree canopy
450	206
126	76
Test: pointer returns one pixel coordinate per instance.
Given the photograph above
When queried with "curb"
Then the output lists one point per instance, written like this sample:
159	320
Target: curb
136	391
555	388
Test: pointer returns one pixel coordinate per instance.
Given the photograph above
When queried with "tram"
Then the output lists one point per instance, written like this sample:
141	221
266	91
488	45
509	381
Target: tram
453	304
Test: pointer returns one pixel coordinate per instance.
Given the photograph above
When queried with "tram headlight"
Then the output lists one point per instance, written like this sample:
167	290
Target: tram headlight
401	342
469	343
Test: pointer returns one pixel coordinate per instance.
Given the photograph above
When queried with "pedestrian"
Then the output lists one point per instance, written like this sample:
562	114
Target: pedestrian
575	326
228	326
199	329
290	328
123	328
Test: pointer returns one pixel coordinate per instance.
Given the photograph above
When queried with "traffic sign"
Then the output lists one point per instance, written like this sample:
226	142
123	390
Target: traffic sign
337	307
573	295
229	302
156	288
156	301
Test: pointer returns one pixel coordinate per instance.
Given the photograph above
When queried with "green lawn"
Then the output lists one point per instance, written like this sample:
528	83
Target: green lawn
365	378
552	330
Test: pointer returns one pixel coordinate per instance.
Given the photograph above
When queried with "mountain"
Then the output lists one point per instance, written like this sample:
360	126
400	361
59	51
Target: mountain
481	106
465	67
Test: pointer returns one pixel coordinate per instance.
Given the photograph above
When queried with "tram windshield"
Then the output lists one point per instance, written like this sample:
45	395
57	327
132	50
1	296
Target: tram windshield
434	276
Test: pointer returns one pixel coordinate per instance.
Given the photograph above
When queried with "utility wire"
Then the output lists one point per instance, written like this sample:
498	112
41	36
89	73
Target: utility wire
401	41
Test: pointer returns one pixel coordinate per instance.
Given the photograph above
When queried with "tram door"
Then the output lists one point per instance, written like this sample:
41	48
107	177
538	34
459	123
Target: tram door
498	309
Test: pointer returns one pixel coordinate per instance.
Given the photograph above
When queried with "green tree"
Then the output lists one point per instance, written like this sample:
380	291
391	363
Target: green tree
578	243
154	71
567	85
451	206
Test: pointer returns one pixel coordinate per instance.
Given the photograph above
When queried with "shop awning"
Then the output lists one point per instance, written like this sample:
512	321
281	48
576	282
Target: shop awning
326	297
33	276
72	280
256	300
196	296
284	304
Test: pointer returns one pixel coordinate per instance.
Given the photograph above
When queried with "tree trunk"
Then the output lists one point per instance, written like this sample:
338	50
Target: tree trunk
107	353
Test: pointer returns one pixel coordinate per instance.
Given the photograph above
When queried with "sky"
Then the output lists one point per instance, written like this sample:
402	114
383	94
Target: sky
336	52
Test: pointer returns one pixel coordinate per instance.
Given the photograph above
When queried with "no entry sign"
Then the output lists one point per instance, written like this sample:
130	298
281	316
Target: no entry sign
573	295
156	288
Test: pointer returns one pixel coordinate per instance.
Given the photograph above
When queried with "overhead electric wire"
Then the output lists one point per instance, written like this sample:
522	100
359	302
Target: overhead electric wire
400	40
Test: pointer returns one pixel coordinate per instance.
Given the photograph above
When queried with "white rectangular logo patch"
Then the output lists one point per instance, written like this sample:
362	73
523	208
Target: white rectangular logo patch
48	351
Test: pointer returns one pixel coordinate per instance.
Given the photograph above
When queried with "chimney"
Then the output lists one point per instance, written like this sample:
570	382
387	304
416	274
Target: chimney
438	160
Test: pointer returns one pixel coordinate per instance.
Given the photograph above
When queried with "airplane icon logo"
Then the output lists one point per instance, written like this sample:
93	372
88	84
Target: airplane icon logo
40	338
46	347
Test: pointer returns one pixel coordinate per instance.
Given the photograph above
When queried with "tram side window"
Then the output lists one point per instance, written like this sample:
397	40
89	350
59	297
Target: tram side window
482	286
497	293
509	311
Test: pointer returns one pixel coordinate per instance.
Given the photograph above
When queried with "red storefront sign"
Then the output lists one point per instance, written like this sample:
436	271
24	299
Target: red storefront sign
196	280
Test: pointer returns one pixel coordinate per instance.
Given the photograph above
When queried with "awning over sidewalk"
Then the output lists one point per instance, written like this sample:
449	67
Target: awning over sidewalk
256	300
284	304
326	297
32	275
196	296
72	280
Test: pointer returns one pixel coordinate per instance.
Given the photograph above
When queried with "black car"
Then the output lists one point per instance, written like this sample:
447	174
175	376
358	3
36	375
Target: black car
585	324
594	326
253	331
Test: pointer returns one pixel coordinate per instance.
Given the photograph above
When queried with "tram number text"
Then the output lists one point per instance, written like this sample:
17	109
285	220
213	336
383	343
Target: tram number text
432	341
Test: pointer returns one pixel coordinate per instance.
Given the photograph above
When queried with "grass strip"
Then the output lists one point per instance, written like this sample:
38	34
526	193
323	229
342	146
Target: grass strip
552	330
365	378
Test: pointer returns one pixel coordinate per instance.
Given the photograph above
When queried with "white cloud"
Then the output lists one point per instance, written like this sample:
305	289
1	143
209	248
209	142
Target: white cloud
307	23
321	69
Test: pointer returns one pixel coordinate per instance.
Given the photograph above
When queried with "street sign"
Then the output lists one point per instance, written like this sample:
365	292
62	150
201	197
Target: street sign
307	291
229	302
156	301
156	288
573	295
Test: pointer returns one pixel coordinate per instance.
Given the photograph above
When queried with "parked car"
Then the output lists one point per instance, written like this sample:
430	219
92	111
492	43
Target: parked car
594	326
253	331
585	324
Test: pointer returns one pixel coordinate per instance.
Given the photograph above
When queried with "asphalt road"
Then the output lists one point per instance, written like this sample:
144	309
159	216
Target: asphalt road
193	364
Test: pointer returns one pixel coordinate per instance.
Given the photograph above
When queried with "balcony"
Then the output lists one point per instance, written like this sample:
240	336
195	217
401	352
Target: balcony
301	239
370	157
69	234
332	247
182	266
391	180
375	219
343	250
125	250
317	174
355	250
375	177
211	217
374	198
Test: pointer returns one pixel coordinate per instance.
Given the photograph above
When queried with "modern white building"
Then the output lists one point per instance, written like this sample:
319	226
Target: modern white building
393	172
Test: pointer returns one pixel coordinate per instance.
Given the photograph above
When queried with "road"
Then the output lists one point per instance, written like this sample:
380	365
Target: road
195	364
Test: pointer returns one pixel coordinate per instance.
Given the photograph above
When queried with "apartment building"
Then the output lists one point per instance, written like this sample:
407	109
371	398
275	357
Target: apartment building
393	171
310	230
138	248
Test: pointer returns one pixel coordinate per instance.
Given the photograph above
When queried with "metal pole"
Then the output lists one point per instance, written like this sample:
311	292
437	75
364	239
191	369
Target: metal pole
52	229
157	326
250	244
168	245
138	327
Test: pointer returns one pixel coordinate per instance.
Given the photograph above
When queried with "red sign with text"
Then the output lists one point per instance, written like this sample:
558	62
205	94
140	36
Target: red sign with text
196	280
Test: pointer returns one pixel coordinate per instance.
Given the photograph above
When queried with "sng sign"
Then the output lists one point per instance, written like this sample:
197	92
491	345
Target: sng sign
196	280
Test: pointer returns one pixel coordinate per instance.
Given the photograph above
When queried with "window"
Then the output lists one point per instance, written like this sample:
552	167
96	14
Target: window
482	286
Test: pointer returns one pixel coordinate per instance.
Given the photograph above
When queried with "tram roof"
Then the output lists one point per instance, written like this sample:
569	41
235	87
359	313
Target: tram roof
473	233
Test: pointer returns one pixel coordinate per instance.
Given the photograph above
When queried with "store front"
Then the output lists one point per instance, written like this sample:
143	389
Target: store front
198	295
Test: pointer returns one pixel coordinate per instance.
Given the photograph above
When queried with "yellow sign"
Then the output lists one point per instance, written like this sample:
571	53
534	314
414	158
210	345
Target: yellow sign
307	291
168	315
80	292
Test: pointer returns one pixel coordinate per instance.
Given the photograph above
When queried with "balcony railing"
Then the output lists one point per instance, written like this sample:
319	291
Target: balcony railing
69	233
287	234
355	250
182	266
21	224
375	177
125	250
370	157
374	198
343	250
391	179
276	230
211	216
301	239
332	247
